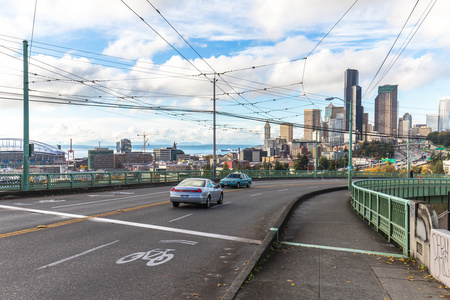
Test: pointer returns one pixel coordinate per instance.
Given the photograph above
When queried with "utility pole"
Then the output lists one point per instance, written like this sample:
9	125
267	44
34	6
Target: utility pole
407	157
26	123
316	159
214	127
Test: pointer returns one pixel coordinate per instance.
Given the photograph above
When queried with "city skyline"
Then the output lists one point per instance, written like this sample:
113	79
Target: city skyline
259	49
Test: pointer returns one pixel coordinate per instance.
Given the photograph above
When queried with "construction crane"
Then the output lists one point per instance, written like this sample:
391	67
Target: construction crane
145	139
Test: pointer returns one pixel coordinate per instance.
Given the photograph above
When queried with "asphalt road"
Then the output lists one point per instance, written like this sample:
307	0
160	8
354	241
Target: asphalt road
132	244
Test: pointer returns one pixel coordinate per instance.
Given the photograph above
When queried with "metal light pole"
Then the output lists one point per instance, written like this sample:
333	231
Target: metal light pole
26	125
350	130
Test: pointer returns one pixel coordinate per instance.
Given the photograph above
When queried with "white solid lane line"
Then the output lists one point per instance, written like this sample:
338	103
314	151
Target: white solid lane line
77	255
255	195
180	218
106	200
283	190
141	225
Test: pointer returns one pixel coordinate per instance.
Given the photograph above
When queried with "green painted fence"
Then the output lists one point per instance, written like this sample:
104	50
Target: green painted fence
12	182
384	203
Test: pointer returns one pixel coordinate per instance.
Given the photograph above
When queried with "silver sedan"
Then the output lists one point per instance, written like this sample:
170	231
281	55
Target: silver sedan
196	190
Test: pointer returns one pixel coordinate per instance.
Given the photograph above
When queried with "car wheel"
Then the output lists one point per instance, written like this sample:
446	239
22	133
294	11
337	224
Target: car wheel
208	202
220	201
238	185
249	184
176	204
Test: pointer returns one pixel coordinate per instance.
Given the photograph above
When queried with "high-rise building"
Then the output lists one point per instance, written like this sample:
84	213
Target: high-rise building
311	123
100	158
408	117
328	112
267	131
352	93
386	108
404	127
432	121
124	146
444	114
287	132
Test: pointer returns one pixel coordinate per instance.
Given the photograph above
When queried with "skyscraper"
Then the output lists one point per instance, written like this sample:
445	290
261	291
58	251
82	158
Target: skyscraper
444	114
267	131
328	112
408	117
432	121
352	92
311	122
386	107
287	132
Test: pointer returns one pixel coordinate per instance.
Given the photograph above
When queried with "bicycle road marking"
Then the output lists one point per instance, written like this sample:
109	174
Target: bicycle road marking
96	218
77	255
106	200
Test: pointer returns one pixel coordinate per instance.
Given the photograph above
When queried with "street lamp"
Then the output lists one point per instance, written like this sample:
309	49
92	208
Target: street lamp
350	130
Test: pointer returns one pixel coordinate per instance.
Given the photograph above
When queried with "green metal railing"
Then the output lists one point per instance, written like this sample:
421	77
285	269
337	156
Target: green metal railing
385	205
12	182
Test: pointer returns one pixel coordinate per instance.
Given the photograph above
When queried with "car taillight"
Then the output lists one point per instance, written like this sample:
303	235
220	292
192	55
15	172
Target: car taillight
172	190
197	191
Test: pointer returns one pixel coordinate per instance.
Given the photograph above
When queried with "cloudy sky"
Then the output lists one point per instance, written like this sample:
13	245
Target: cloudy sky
104	70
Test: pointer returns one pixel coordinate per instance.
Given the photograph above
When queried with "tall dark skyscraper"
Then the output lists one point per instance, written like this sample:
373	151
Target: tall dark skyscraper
352	92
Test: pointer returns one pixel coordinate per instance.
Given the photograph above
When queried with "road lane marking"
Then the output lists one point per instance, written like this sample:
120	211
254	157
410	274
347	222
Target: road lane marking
219	205
255	195
312	187
97	218
180	218
82	218
345	249
283	190
77	255
106	200
179	242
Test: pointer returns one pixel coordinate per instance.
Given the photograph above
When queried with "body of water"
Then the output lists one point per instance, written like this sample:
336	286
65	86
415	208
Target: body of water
81	151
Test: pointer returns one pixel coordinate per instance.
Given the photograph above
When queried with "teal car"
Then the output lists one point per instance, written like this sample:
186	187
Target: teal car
236	180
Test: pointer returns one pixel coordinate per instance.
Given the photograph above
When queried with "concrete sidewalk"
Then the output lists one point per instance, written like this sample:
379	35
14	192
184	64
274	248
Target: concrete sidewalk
310	271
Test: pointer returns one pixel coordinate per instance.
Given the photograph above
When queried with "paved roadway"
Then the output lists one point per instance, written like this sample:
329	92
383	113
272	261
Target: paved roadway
133	244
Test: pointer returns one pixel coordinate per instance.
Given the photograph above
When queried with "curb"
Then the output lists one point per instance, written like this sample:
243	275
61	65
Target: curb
271	237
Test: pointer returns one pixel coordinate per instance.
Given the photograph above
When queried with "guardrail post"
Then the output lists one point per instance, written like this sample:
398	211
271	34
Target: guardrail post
109	178
92	179
49	181
71	180
126	177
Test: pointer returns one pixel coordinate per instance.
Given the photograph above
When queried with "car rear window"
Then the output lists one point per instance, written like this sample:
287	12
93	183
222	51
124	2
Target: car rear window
192	182
234	176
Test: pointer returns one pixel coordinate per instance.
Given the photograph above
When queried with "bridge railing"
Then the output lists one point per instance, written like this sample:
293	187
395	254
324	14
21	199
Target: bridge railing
384	204
13	182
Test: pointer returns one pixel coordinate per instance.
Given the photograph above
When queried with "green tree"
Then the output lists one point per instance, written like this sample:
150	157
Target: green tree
225	167
207	167
324	162
332	166
438	168
278	166
301	163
